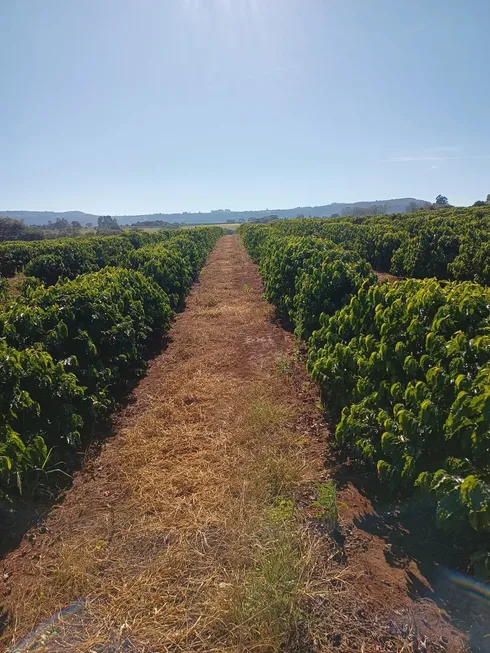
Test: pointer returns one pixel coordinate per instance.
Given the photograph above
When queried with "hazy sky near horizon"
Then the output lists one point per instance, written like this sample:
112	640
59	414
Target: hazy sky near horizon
143	106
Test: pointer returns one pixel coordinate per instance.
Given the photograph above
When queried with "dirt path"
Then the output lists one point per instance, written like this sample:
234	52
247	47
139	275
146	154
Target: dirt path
192	530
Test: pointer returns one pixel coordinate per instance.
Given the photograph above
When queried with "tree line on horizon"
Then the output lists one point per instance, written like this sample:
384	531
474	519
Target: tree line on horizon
16	229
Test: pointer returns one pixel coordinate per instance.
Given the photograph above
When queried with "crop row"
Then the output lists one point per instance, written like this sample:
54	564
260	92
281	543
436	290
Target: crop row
50	260
70	351
452	244
404	368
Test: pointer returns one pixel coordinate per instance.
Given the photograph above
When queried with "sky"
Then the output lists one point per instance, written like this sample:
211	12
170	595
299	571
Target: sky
144	106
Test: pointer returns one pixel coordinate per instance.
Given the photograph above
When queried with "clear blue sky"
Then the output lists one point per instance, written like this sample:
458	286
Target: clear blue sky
142	106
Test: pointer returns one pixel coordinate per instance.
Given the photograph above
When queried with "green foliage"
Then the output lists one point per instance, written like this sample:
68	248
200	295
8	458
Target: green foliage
473	259
450	243
40	403
15	255
69	258
142	238
480	563
282	511
106	222
305	276
70	351
4	289
427	254
167	267
174	263
66	258
51	260
11	229
96	324
326	504
255	238
404	368
282	263
407	369
337	275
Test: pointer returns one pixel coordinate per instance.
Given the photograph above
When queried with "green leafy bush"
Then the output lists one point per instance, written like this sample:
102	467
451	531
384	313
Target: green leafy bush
407	369
51	260
448	243
167	267
428	254
473	259
69	351
97	324
326	287
404	368
68	258
40	407
305	276
283	261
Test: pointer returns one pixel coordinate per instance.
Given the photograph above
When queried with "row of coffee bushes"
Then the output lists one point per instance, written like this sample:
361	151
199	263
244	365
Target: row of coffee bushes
70	351
404	368
451	243
64	257
68	257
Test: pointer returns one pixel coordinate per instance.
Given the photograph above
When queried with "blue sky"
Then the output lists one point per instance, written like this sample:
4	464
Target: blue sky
142	106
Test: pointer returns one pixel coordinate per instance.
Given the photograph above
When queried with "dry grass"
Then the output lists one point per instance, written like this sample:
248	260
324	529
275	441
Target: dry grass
203	558
189	553
190	535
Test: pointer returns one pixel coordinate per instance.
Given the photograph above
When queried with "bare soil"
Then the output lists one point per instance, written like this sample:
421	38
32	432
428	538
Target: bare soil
386	276
160	535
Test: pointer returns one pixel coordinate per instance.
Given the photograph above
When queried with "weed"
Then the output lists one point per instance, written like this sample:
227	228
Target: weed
296	356
265	607
327	504
282	511
283	364
280	473
264	416
305	387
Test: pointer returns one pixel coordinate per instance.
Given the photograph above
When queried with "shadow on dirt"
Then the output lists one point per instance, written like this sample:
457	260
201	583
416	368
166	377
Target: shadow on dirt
281	320
409	531
42	490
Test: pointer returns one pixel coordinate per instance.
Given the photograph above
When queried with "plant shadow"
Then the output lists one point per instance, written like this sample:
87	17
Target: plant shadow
21	513
408	528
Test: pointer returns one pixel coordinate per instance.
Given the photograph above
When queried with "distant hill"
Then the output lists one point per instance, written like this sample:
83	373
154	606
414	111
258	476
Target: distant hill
217	216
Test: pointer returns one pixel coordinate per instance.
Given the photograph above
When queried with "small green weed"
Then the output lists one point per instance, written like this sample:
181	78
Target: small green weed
265	607
327	504
282	511
264	416
279	474
283	364
296	356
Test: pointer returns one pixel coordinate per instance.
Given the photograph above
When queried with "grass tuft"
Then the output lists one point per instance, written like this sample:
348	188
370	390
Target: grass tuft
266	607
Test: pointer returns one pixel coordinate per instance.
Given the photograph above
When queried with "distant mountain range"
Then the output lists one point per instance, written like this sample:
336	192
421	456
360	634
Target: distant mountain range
217	216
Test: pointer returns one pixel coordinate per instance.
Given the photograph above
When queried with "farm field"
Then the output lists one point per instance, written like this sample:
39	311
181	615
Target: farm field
232	227
240	503
78	322
269	434
448	243
402	367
